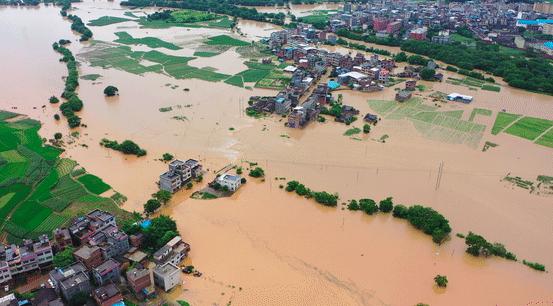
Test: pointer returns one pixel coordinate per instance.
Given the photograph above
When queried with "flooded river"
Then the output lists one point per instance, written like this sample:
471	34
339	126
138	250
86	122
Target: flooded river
264	246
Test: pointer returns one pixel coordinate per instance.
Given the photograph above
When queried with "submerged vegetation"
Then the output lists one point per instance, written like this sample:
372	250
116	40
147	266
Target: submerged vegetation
322	197
126	147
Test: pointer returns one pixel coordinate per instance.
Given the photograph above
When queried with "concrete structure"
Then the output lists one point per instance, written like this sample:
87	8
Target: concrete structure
29	256
179	174
232	182
403	95
172	252
109	271
442	37
459	98
70	281
107	295
111	241
167	276
90	256
418	33
85	227
139	279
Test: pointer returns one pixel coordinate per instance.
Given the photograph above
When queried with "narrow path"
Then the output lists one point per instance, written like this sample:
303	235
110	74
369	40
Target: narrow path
509	125
540	135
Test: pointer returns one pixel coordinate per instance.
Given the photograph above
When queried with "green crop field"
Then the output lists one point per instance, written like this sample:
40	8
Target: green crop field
205	54
225	40
152	42
106	20
546	139
430	122
529	127
188	19
235	80
37	190
502	120
479	112
94	184
91	77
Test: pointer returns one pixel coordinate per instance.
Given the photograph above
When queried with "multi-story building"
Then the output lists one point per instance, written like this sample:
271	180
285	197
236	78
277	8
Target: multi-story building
173	251
27	257
108	271
62	239
71	281
167	276
418	33
179	174
232	182
86	226
111	241
107	295
90	256
441	38
139	279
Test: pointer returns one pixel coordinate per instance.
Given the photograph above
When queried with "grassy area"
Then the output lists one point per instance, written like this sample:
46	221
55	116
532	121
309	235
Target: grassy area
106	20
225	40
152	42
91	77
502	120
479	112
491	88
188	19
473	83
432	123
236	80
463	39
94	184
205	54
529	128
42	194
352	131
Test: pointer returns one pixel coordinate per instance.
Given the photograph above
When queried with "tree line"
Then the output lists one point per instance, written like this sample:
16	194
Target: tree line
126	147
73	103
226	7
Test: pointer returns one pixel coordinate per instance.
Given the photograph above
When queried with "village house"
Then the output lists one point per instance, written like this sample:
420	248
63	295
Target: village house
167	276
111	241
179	174
403	95
62	239
71	281
107	295
17	260
411	85
232	182
86	226
172	252
90	256
140	281
108	271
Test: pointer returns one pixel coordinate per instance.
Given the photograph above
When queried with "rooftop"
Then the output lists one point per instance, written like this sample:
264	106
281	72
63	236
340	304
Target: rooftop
166	269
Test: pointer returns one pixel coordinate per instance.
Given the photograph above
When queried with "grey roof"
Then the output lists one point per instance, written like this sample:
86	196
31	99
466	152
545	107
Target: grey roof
169	175
166	269
86	251
135	273
107	266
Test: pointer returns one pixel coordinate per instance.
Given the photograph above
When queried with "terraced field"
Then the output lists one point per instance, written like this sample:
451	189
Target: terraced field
38	191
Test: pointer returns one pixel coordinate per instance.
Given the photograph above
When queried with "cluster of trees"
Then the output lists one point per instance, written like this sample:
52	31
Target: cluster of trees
64	258
256	172
20	2
441	281
226	7
53	100
534	265
428	74
425	219
158	198
389	41
111	91
517	70
370	207
322	197
361	47
167	157
161	231
479	246
73	103
126	147
78	26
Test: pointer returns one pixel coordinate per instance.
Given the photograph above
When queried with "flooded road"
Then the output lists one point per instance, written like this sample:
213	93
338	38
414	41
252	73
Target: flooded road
264	246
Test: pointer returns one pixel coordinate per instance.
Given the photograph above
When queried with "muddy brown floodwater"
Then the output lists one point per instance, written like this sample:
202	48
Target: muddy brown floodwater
264	246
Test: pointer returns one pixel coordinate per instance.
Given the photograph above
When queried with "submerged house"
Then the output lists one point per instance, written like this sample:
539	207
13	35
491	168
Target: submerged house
232	182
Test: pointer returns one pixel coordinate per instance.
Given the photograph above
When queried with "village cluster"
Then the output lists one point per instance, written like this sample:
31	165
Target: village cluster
106	260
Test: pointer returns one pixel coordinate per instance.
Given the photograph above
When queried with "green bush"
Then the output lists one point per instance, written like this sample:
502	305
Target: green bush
386	205
368	206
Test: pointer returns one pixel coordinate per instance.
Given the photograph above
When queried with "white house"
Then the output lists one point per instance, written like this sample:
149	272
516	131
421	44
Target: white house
232	182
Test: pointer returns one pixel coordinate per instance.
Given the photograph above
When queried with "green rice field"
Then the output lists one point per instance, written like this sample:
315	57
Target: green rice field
479	112
152	42
529	128
38	192
502	121
106	20
225	40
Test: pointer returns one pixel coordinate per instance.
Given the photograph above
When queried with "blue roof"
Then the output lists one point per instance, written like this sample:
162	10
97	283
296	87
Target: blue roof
548	44
120	303
333	84
535	22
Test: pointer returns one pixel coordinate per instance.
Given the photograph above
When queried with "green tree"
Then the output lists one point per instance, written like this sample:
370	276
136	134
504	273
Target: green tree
368	206
155	234
441	280
79	299
58	136
54	100
257	172
366	128
64	258
239	170
167	156
386	205
56	117
400	211
428	74
111	91
292	185
151	206
163	196
353	205
400	57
